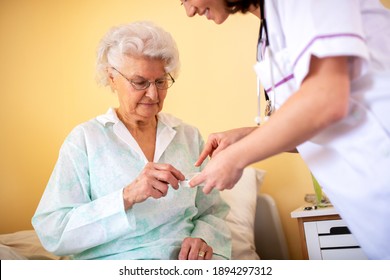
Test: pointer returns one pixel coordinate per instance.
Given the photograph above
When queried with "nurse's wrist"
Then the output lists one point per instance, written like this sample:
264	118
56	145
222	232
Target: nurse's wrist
235	155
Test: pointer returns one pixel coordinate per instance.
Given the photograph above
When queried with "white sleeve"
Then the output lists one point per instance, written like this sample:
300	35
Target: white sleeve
323	28
67	211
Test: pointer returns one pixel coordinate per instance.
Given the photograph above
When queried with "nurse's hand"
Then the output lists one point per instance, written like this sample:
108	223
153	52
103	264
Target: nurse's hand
220	140
195	249
221	173
153	182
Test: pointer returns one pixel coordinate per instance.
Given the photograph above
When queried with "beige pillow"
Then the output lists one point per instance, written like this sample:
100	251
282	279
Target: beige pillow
26	244
241	218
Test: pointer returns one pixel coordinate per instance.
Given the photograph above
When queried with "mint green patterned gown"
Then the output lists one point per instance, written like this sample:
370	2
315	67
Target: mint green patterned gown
81	213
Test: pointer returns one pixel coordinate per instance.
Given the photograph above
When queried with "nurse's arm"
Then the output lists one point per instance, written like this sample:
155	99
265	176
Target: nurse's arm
217	142
321	101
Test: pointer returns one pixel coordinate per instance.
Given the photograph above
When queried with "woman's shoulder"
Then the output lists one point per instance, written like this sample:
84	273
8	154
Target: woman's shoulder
89	129
89	125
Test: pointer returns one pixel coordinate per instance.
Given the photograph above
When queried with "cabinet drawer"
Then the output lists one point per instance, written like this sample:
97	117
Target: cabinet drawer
341	240
332	227
331	240
343	254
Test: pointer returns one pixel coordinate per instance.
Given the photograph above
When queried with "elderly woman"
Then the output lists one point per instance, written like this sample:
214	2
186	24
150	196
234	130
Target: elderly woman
116	192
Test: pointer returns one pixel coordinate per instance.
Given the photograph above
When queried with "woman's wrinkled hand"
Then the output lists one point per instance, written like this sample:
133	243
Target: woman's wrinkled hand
153	181
195	249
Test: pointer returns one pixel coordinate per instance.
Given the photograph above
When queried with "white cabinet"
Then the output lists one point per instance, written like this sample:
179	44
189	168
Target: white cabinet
324	236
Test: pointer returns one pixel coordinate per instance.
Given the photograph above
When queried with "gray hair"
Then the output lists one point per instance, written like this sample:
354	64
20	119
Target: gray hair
136	39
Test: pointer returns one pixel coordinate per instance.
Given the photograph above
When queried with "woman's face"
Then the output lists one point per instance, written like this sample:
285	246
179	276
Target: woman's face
139	105
211	9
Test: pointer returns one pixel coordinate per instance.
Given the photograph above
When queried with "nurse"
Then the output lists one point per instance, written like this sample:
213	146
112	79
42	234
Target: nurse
325	68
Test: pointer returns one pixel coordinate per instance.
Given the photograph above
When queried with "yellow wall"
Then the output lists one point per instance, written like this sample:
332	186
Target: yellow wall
47	56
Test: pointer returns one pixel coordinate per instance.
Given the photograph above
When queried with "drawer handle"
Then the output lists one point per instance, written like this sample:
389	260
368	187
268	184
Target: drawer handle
339	230
336	231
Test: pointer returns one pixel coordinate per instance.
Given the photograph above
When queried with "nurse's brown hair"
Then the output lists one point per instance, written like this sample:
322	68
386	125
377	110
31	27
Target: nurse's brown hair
234	6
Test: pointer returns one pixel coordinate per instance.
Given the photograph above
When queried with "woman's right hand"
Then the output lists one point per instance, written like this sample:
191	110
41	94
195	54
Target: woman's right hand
153	182
220	140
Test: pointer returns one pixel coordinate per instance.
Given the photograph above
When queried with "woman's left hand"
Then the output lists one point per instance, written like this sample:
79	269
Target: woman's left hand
195	249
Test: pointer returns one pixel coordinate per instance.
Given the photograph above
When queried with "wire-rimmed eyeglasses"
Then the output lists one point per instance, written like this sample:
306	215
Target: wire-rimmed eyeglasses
142	84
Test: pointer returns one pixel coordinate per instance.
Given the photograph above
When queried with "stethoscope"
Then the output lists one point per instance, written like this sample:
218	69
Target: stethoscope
263	48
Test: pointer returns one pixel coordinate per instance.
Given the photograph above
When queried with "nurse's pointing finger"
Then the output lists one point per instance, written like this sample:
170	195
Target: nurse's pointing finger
203	155
196	180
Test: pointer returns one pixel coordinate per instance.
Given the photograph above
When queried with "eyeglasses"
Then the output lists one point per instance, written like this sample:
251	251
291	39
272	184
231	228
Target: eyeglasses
142	84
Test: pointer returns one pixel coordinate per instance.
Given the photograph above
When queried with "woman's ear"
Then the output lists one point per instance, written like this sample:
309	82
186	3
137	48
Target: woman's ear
111	78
